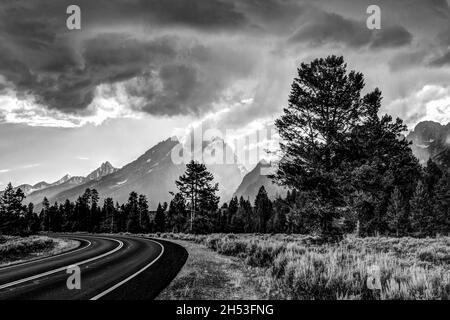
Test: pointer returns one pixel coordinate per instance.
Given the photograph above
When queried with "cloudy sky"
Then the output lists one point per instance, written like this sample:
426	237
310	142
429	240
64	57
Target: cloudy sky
140	71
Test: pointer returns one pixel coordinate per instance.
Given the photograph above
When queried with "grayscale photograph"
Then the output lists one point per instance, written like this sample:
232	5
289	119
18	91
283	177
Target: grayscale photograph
224	157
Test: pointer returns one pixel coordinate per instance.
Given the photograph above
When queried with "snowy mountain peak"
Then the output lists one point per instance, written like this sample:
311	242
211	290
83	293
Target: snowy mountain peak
105	169
63	179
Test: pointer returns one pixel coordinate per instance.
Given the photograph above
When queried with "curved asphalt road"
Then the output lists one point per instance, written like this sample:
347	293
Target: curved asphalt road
112	268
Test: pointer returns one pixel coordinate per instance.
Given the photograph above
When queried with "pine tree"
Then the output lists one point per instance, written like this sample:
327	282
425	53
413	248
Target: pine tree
132	213
144	214
32	220
94	211
68	216
442	205
55	218
177	214
422	219
263	210
379	160
160	219
45	216
324	106
231	225
432	174
277	222
198	191
396	212
12	211
109	216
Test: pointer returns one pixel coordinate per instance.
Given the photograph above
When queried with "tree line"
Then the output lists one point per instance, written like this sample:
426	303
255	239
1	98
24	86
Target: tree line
425	213
348	169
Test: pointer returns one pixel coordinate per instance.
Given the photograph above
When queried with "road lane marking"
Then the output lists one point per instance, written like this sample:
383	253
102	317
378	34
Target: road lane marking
46	258
7	285
133	275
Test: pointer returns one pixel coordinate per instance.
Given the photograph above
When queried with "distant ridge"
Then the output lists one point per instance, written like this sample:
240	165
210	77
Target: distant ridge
431	140
152	174
257	178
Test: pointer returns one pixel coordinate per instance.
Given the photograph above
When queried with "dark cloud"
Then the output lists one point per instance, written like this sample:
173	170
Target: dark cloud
192	84
444	60
161	54
391	37
404	60
62	70
69	86
330	27
323	27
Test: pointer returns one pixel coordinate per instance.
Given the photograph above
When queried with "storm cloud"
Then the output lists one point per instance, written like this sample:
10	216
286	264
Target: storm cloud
174	57
322	27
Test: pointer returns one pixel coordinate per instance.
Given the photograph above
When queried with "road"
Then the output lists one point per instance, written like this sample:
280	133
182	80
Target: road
112	268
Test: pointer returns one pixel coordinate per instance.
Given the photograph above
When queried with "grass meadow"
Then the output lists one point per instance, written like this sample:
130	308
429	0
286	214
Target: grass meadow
300	267
18	249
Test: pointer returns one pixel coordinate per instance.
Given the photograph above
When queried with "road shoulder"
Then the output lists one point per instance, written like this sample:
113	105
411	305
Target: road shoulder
209	275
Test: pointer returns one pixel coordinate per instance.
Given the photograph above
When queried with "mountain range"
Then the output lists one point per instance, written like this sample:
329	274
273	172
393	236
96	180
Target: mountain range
256	178
154	173
431	140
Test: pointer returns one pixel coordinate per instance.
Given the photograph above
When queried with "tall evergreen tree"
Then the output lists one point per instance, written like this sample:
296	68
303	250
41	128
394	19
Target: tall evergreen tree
144	214
263	210
277	223
132	213
432	175
422	218
12	211
94	211
177	214
379	160
197	188
442	205
45	215
160	219
230	222
325	104
396	212
109	216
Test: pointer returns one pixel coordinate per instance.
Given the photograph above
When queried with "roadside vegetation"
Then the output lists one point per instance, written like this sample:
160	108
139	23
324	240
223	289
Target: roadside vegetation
18	249
208	275
302	267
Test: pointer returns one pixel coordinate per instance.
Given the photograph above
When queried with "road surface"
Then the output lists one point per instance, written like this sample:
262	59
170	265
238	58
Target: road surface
112	268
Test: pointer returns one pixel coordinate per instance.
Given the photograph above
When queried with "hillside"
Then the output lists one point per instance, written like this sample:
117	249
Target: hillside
152	174
431	139
256	178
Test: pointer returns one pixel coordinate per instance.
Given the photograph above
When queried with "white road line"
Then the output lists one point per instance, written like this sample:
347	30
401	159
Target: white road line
46	258
7	285
133	275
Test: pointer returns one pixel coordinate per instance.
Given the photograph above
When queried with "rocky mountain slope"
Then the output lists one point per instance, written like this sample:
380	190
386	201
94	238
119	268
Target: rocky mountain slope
257	178
152	174
431	139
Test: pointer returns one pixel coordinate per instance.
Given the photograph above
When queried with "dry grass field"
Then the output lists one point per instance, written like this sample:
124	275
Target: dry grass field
18	249
300	267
